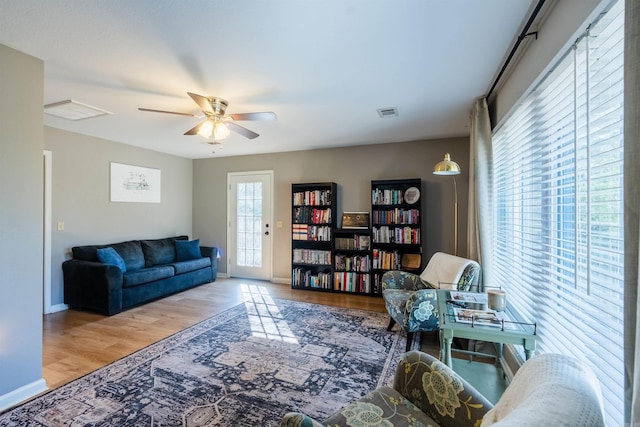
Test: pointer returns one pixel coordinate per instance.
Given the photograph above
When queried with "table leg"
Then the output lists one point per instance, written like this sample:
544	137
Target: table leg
529	348
447	351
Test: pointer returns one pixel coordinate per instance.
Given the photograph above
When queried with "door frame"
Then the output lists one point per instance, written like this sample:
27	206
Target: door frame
271	214
46	233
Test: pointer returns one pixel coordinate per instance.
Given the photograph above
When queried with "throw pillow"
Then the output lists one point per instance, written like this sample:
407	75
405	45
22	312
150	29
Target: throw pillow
110	256
188	249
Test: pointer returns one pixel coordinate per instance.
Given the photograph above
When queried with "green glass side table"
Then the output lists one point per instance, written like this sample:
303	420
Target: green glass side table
513	330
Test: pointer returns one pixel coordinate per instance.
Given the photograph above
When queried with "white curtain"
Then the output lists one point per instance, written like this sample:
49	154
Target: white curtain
632	210
479	234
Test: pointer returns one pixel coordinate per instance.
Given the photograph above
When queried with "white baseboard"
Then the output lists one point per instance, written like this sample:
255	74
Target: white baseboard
282	280
23	393
222	275
57	307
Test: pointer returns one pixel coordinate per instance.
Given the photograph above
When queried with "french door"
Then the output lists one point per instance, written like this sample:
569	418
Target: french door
250	224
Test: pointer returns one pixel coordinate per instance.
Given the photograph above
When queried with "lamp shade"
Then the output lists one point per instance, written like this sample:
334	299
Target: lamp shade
447	167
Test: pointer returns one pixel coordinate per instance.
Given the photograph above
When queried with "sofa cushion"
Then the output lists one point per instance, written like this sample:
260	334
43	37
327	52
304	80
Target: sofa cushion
159	251
145	275
187	250
131	253
110	256
191	265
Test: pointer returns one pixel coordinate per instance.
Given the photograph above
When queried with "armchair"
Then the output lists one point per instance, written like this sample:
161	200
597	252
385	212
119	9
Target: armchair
410	299
548	390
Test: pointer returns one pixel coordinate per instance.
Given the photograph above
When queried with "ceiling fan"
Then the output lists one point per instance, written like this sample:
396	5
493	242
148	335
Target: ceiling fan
217	123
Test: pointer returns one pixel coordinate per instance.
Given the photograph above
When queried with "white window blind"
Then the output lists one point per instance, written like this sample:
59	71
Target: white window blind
558	170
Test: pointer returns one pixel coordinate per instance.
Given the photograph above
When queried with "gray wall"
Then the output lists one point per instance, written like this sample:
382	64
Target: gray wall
81	197
563	23
352	169
21	247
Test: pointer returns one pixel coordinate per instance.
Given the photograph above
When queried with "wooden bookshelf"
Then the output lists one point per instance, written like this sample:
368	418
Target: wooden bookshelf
352	260
396	216
313	218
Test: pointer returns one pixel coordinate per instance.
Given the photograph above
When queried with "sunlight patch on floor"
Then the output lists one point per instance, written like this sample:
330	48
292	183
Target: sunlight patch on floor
264	316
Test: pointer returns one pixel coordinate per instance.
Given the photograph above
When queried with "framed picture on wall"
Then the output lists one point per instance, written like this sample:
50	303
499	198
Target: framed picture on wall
134	184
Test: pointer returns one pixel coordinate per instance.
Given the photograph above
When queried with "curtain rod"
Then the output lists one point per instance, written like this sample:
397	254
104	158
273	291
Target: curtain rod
525	32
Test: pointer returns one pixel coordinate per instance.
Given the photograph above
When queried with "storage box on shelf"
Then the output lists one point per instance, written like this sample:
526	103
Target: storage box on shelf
352	260
313	217
396	216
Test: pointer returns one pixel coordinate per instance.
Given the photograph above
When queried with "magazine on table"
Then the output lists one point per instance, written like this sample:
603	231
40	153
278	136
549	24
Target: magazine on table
479	317
474	297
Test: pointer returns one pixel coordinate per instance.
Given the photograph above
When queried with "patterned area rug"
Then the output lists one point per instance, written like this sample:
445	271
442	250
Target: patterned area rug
245	367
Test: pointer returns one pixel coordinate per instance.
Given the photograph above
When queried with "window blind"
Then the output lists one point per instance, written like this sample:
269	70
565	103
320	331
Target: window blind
558	177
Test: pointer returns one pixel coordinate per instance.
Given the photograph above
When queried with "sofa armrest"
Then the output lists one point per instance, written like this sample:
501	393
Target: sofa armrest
211	252
396	279
93	285
438	391
296	419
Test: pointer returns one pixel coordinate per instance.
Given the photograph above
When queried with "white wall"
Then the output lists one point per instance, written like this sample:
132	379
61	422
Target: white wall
21	209
81	197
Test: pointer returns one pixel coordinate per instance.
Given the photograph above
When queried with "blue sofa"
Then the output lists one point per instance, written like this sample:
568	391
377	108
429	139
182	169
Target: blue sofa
111	278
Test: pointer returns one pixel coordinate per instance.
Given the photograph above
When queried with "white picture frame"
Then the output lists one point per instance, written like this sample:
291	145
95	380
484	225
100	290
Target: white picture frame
134	184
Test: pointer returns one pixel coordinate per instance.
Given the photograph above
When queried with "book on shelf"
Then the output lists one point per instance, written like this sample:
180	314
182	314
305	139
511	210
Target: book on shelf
306	214
352	282
312	198
311	232
357	242
311	256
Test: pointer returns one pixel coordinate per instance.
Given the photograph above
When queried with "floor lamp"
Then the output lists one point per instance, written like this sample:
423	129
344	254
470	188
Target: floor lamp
449	167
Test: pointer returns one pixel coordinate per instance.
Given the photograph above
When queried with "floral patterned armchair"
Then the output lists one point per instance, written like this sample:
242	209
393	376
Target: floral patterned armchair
411	300
548	390
425	393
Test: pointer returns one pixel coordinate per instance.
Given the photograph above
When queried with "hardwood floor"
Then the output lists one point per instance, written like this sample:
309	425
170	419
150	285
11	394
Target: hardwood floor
76	343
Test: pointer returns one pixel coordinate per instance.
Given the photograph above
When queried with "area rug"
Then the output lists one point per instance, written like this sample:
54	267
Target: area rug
245	367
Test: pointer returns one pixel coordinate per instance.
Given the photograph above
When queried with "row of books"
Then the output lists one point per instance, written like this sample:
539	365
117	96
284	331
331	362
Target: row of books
357	242
303	278
387	197
398	235
304	214
312	198
311	232
386	260
397	216
359	263
311	256
352	282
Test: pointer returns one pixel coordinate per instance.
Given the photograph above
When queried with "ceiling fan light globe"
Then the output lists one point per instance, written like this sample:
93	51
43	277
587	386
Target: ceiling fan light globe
206	129
220	131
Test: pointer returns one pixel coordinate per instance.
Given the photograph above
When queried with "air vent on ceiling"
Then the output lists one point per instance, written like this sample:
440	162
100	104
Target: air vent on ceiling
73	110
388	112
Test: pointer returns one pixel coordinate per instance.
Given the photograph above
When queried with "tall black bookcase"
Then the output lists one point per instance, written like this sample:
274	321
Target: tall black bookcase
396	216
313	219
352	260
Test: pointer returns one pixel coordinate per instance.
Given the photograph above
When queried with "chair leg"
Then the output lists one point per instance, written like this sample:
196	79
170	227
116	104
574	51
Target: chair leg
391	323
409	341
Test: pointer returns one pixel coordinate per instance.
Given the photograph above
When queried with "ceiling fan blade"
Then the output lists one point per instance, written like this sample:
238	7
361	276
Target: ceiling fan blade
169	112
263	116
242	131
202	101
194	130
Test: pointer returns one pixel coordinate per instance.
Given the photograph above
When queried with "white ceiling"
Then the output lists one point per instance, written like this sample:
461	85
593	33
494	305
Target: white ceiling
323	66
